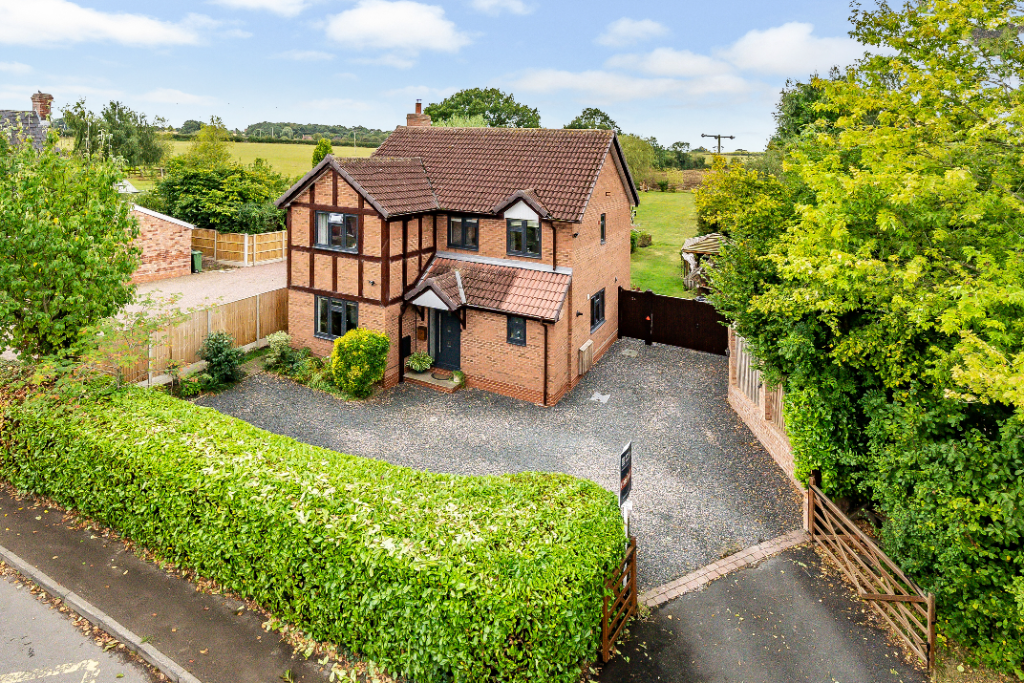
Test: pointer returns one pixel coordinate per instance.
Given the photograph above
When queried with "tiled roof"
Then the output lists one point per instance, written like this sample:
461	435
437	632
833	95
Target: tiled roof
527	292
31	127
399	185
473	169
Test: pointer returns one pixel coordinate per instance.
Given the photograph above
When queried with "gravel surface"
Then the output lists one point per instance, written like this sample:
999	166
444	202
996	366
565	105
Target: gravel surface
702	484
215	287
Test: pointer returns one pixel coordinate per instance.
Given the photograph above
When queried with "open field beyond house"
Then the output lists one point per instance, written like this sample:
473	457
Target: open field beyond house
670	218
291	160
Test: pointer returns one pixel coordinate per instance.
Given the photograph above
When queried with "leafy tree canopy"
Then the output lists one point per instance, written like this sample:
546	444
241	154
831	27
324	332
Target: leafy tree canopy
640	157
459	121
338	134
66	246
209	147
591	118
118	132
322	149
189	127
880	279
500	110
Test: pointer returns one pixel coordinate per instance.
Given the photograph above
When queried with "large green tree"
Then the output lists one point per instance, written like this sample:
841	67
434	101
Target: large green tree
500	110
116	132
887	295
66	246
591	118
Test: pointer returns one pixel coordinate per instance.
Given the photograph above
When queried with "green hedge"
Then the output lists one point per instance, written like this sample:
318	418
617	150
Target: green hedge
435	577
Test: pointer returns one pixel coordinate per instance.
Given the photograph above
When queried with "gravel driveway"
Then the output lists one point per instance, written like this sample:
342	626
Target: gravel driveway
702	484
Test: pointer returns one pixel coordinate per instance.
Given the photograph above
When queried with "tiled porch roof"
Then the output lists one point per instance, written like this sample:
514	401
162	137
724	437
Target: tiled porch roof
495	286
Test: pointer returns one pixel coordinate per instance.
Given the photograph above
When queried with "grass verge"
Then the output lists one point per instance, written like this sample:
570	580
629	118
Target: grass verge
670	218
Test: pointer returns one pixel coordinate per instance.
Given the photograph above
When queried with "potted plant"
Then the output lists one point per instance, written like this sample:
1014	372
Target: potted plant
419	362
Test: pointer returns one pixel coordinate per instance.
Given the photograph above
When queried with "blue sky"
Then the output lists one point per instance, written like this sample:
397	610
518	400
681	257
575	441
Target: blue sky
672	69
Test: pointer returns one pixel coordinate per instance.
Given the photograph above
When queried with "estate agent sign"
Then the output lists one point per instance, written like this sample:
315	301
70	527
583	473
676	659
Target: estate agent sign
625	473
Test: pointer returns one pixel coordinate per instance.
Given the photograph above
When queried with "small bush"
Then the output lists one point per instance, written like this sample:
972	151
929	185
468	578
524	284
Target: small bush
460	377
663	185
222	358
419	362
645	239
634	240
359	361
438	578
281	351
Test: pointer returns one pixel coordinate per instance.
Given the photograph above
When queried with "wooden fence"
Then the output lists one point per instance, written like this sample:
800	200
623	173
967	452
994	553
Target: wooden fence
238	249
898	600
660	319
246	320
622	604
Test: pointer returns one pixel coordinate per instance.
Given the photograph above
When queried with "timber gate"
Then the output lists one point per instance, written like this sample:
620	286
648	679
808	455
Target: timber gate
670	320
621	601
908	610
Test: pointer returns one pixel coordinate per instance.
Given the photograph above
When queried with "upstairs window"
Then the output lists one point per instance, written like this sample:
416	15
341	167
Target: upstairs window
338	231
523	237
516	330
463	232
335	317
597	310
604	234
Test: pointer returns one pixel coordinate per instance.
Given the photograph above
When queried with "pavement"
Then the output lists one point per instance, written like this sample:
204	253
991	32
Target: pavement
216	287
703	487
787	620
214	638
38	643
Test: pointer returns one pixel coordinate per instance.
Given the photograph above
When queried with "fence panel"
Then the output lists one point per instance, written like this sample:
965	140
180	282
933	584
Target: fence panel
622	604
231	247
879	581
773	407
273	312
268	247
205	241
237	318
187	338
747	377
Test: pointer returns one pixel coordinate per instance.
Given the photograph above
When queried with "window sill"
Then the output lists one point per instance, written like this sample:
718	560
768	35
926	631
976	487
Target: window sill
516	343
533	256
324	247
456	246
598	326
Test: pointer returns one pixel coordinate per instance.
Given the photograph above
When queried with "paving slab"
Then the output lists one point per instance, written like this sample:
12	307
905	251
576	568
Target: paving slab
702	484
787	620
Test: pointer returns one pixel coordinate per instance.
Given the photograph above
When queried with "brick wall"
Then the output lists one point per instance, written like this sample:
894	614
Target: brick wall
491	363
493	241
166	249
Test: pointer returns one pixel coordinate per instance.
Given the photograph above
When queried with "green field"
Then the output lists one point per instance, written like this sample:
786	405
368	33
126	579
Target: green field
670	218
290	160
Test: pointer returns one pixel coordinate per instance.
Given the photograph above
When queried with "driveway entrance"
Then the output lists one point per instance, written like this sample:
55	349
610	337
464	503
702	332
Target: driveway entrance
702	484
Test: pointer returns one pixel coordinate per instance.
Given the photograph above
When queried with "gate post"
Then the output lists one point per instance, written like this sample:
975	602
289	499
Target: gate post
649	316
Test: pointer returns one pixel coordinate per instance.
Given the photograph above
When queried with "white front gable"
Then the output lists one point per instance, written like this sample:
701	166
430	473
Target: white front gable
521	210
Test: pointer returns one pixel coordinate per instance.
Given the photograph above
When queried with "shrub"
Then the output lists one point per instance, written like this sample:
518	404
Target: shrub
419	362
281	351
634	240
359	360
435	577
663	185
460	377
645	239
222	358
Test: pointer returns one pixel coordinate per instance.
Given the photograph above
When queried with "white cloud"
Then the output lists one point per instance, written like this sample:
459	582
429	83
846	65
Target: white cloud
172	96
626	31
665	61
496	7
59	22
286	8
397	61
306	55
422	92
791	50
398	29
16	68
601	86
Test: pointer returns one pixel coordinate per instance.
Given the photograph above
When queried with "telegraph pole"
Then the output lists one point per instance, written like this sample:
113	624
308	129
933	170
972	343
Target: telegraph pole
719	138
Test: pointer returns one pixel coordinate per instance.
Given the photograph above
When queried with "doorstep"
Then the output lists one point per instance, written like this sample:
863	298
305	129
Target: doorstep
425	379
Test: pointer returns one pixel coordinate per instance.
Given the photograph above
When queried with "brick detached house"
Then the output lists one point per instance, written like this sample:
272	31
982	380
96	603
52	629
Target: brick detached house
29	126
498	251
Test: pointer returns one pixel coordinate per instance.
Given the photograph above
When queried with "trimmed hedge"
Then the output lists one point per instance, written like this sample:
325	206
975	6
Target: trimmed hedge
435	577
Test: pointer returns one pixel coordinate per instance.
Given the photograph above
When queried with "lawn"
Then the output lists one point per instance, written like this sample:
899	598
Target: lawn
670	218
291	160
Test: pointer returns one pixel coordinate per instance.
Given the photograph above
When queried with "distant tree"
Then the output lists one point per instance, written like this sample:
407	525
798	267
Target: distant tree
458	121
209	147
591	118
189	127
287	133
322	149
67	249
500	110
640	157
796	108
118	132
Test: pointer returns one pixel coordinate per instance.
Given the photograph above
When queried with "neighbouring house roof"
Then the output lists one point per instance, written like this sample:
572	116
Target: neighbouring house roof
161	216
31	127
498	285
705	244
475	169
393	186
125	187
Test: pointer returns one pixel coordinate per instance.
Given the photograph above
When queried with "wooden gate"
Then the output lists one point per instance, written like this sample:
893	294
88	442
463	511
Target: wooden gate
622	604
670	320
898	600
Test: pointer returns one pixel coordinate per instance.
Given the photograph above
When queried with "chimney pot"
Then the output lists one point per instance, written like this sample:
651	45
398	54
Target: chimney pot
419	119
41	105
419	106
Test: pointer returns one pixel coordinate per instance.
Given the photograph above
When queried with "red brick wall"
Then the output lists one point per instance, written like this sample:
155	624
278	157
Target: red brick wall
166	249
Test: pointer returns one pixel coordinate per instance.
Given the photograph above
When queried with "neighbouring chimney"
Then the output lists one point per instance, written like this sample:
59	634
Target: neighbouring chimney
41	105
419	118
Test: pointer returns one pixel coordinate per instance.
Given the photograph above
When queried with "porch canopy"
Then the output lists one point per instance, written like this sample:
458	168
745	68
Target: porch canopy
453	281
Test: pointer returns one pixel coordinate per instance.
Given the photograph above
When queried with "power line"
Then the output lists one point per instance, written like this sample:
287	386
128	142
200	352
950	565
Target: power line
719	138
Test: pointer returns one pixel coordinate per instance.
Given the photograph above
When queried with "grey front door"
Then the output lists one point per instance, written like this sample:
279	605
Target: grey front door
449	341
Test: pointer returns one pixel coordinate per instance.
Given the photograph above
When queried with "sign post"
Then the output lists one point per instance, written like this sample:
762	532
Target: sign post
626	483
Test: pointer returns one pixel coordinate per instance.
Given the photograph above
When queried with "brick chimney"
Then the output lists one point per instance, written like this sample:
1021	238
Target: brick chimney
41	105
419	118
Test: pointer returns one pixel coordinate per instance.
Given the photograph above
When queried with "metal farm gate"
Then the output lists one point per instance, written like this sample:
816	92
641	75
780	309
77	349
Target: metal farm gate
670	320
